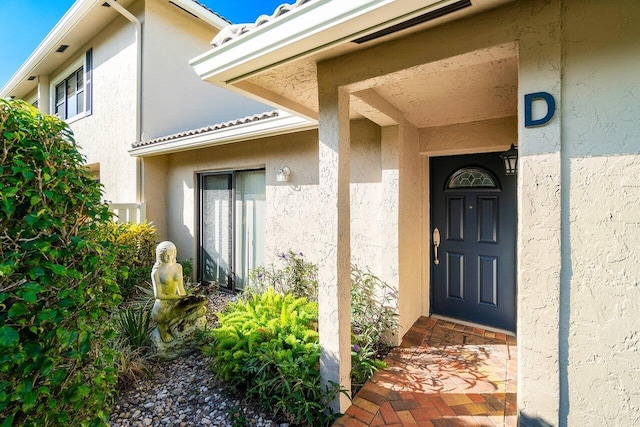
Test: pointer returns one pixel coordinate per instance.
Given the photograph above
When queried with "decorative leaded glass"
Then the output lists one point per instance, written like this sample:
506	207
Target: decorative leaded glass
471	178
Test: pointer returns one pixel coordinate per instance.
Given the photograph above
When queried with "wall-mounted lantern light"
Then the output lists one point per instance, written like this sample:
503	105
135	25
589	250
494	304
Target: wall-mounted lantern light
510	158
283	174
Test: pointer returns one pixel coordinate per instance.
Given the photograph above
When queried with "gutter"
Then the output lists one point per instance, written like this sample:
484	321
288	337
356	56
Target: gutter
138	30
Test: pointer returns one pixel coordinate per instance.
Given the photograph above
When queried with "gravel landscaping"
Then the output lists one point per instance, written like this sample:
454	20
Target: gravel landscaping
185	392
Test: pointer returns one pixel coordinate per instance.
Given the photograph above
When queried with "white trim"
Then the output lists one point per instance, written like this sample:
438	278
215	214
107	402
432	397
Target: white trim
51	42
68	23
314	27
202	13
58	78
282	124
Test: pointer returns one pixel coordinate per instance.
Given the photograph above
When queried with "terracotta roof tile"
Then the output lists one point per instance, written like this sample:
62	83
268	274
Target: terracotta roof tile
234	31
200	131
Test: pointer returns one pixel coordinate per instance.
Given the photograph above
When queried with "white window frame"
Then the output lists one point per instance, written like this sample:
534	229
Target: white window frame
84	61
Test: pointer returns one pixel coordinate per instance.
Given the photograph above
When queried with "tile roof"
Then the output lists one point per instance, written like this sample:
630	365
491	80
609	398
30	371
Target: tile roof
234	31
200	131
212	11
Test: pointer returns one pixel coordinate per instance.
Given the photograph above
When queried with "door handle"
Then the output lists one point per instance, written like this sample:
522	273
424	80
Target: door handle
436	244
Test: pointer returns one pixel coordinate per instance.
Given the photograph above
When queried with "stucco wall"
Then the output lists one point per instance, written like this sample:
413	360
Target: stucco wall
154	192
601	195
534	26
578	229
175	99
292	214
107	134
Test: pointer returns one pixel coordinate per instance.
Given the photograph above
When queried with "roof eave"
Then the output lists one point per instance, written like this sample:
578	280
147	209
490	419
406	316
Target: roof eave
203	13
50	43
318	26
69	21
282	124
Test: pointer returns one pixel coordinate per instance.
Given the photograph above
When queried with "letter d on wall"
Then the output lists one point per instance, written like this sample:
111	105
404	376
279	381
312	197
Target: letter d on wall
528	108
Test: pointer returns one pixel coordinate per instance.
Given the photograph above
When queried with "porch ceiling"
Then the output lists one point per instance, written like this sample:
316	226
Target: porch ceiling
476	86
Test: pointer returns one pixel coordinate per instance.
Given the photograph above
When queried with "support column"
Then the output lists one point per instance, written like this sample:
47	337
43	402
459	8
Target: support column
390	262
542	379
334	259
44	98
410	232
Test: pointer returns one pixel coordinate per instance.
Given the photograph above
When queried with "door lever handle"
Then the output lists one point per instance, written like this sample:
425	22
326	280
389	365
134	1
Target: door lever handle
436	244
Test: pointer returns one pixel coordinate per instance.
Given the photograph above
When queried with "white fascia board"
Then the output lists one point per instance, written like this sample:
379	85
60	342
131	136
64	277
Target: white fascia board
50	43
283	124
202	13
312	28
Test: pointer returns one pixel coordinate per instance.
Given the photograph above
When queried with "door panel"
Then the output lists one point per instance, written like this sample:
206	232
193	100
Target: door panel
216	254
232	226
455	221
477	208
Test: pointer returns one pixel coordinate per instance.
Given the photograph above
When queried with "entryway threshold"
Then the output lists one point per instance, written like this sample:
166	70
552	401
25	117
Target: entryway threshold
473	325
443	374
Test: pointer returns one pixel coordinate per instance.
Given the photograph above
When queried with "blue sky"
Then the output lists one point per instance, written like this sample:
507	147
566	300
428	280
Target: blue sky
24	23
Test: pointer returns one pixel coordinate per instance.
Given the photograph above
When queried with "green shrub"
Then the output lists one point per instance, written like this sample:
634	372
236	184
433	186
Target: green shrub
268	346
374	312
292	275
136	252
374	309
57	283
134	325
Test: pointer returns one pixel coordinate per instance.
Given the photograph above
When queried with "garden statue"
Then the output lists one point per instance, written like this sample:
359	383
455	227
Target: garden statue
177	315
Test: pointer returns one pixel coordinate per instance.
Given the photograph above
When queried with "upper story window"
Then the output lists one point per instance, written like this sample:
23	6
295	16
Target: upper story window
72	94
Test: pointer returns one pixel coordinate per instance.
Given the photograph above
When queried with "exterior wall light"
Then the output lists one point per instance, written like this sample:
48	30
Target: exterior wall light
510	158
283	175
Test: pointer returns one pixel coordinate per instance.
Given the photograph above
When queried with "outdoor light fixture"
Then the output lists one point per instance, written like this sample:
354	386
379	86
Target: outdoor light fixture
283	174
510	158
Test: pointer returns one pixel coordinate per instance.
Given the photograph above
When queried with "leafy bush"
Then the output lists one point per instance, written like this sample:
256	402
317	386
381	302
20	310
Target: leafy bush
134	325
374	309
374	312
268	346
292	275
57	283
136	252
132	364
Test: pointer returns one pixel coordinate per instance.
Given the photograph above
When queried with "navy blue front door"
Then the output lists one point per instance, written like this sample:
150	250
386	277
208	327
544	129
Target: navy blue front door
473	215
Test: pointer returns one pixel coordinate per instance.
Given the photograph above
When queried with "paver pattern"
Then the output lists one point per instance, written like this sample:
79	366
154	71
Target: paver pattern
443	374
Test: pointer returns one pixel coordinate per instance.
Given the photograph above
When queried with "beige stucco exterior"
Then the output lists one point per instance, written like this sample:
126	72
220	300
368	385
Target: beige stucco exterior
171	98
577	250
359	189
174	98
114	101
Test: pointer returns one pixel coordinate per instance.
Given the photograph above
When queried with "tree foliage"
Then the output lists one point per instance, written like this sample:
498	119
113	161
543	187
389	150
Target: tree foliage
56	280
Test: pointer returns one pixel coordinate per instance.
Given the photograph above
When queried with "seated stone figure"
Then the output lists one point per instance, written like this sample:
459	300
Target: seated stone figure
176	314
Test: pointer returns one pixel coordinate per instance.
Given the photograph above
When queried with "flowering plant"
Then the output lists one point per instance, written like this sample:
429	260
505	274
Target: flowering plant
292	274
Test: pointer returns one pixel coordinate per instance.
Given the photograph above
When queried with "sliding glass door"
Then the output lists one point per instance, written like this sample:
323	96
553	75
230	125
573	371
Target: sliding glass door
232	226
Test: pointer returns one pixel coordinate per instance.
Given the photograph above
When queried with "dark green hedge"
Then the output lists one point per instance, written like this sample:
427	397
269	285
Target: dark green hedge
56	280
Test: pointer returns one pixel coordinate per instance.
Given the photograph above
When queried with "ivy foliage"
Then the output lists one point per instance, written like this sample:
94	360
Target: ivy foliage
267	345
56	279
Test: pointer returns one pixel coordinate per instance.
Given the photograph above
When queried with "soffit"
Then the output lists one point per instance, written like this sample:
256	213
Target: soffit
480	86
84	21
81	23
476	86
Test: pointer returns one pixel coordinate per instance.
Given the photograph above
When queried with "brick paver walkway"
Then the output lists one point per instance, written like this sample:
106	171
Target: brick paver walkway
443	374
